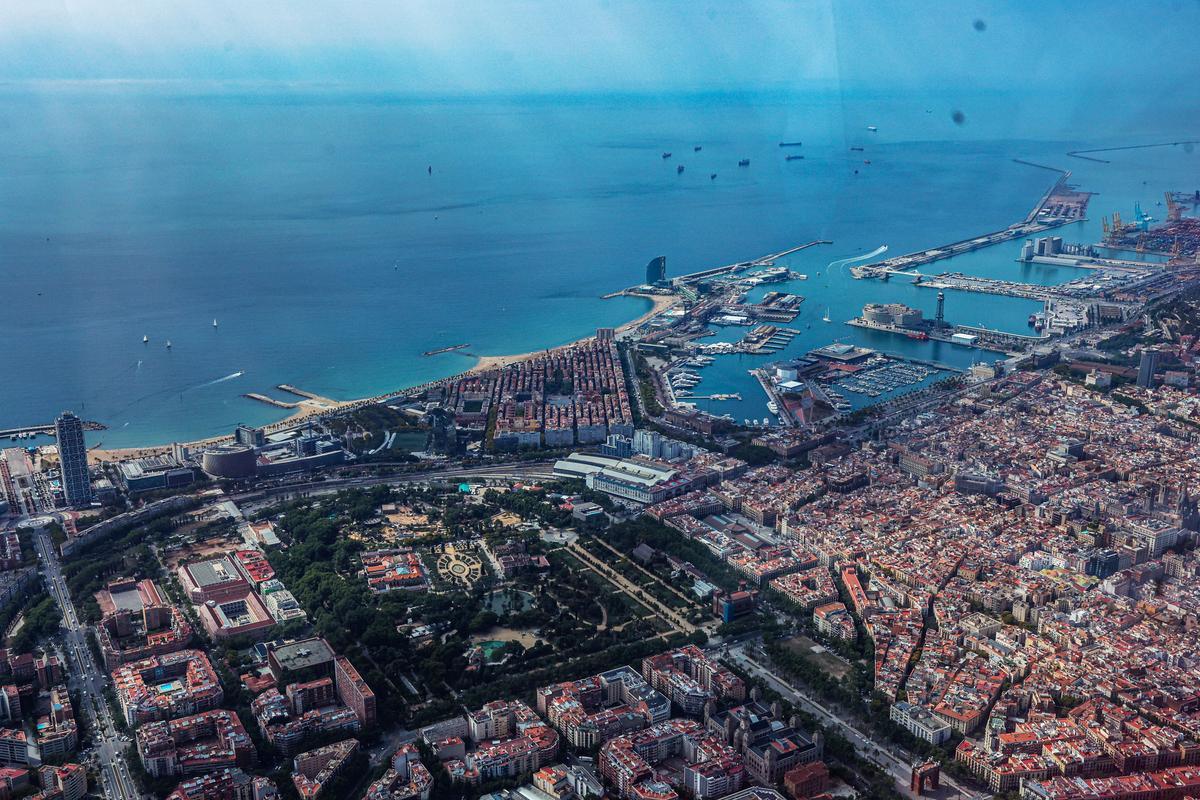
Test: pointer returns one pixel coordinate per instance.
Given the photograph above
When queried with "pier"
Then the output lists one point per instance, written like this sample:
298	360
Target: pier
1095	262
767	339
1059	206
287	387
46	430
785	416
1001	339
901	265
972	283
1083	153
718	396
744	265
271	401
990	339
450	349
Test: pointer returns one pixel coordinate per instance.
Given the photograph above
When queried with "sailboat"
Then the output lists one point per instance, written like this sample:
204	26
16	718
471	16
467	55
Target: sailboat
145	339
826	317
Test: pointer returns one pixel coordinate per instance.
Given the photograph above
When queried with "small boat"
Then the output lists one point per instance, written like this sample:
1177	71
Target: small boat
679	170
856	149
794	158
666	156
866	161
712	177
826	317
790	144
168	344
697	149
745	162
145	339
214	323
872	128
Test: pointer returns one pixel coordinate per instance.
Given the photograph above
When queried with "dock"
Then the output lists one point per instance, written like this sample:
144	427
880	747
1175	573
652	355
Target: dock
974	283
1066	204
903	265
745	265
767	339
785	416
990	339
1095	262
684	397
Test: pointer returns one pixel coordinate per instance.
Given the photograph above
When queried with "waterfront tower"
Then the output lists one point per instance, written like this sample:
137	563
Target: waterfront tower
72	456
656	271
939	321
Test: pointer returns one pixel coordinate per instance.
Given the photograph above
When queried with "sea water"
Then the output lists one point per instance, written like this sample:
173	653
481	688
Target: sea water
335	236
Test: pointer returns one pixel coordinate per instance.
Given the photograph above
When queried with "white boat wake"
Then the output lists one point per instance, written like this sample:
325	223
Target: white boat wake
878	251
228	377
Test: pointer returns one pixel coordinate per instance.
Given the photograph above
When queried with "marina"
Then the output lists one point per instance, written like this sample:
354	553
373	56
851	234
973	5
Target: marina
881	375
767	339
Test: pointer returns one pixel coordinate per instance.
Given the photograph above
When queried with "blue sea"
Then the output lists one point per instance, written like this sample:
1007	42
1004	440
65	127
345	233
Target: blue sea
336	235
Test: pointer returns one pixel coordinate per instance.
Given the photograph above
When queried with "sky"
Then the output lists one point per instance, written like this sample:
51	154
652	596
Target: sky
520	46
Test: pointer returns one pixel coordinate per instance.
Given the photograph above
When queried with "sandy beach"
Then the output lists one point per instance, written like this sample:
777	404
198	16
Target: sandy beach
658	304
316	405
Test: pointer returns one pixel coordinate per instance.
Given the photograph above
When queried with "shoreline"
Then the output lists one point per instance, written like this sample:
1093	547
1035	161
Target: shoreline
316	405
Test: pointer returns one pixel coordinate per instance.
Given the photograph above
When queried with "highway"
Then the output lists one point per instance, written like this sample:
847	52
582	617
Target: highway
529	470
90	679
880	754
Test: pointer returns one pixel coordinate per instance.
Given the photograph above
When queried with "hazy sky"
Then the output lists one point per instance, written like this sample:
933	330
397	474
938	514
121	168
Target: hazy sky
525	46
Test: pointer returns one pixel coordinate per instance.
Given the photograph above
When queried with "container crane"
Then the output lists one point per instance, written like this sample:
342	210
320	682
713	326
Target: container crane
1174	209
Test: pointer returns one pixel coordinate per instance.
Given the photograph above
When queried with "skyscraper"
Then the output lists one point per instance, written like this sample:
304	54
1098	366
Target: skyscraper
1147	367
656	270
72	455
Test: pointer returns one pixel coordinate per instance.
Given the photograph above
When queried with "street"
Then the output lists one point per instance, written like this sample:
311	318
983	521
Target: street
115	779
876	752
